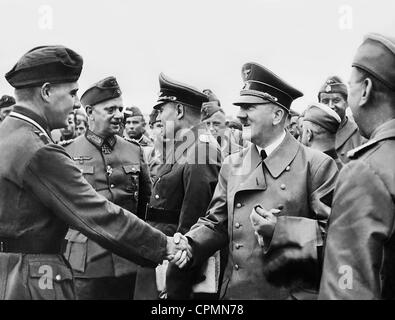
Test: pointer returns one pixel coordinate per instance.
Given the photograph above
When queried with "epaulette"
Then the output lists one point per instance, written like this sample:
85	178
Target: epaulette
355	153
65	143
43	137
132	141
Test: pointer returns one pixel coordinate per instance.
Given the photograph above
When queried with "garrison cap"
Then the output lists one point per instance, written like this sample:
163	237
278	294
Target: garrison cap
333	85
208	109
211	96
133	111
53	64
261	85
323	116
101	91
173	91
6	101
376	56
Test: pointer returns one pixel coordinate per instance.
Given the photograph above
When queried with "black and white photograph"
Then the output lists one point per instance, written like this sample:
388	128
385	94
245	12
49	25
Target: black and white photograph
193	152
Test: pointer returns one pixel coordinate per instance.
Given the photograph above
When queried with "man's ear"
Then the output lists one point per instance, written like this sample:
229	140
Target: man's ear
89	111
367	91
278	115
45	91
180	109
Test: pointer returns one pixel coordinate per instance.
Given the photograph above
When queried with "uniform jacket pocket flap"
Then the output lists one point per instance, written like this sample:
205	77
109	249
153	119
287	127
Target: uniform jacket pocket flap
86	169
49	270
132	168
76	236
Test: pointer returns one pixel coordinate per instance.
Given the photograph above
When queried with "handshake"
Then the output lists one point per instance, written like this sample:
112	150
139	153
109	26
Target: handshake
179	251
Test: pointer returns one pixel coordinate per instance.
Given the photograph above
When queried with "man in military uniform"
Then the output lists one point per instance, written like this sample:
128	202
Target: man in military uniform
292	124
154	159
334	94
6	104
186	180
213	116
359	260
135	129
116	169
320	124
278	173
42	192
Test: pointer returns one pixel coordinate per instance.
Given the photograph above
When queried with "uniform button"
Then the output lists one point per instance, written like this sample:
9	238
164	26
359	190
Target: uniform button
237	225
238	205
288	168
157	196
282	187
112	186
58	277
136	193
237	267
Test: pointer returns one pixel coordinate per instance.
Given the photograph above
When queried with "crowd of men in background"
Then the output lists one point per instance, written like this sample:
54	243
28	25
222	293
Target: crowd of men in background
271	204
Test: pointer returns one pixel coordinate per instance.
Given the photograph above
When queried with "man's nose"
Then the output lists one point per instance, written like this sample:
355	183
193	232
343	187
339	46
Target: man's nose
119	113
241	115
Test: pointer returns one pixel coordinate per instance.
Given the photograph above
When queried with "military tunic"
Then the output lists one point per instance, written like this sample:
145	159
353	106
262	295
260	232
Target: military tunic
296	179
347	138
42	193
120	174
359	256
181	194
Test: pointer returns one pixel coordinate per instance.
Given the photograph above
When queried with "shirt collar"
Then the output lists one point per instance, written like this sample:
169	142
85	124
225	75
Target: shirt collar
273	146
33	116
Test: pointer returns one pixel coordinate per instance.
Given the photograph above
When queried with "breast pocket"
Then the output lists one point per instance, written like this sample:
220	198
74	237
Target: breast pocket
50	279
88	172
132	172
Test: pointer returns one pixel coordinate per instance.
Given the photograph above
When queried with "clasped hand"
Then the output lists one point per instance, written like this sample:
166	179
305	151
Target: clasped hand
178	250
264	221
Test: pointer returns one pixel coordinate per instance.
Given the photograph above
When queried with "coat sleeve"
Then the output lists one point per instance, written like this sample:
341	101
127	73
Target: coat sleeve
294	253
361	222
53	178
210	233
144	185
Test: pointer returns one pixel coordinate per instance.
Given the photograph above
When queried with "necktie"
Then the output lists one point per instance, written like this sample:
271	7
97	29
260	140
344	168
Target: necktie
263	154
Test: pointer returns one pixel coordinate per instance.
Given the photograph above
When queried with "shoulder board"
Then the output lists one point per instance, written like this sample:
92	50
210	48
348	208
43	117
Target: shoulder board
132	141
43	137
65	142
358	151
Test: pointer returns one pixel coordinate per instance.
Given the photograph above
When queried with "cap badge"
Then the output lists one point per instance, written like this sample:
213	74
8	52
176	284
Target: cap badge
328	88
246	73
265	95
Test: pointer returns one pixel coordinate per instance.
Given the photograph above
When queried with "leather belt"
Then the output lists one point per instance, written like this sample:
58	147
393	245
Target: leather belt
161	215
29	246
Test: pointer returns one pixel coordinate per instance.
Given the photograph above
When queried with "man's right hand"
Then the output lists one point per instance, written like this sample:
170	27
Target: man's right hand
178	250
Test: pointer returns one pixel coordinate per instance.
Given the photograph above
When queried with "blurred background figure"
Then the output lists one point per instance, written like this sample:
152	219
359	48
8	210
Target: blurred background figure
292	123
334	94
68	132
155	156
81	120
320	124
214	118
6	105
135	129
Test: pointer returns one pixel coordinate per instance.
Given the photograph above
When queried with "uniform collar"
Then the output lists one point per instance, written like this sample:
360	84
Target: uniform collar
332	153
33	116
345	132
100	142
385	131
270	148
282	156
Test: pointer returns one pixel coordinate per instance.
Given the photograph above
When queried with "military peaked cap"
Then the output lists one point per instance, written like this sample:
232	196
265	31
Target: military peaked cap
262	86
173	91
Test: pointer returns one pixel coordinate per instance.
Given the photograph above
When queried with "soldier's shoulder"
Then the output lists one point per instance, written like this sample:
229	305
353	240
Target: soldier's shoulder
126	140
129	144
362	149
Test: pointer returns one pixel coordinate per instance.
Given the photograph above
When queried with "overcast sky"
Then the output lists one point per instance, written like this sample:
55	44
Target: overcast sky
203	43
